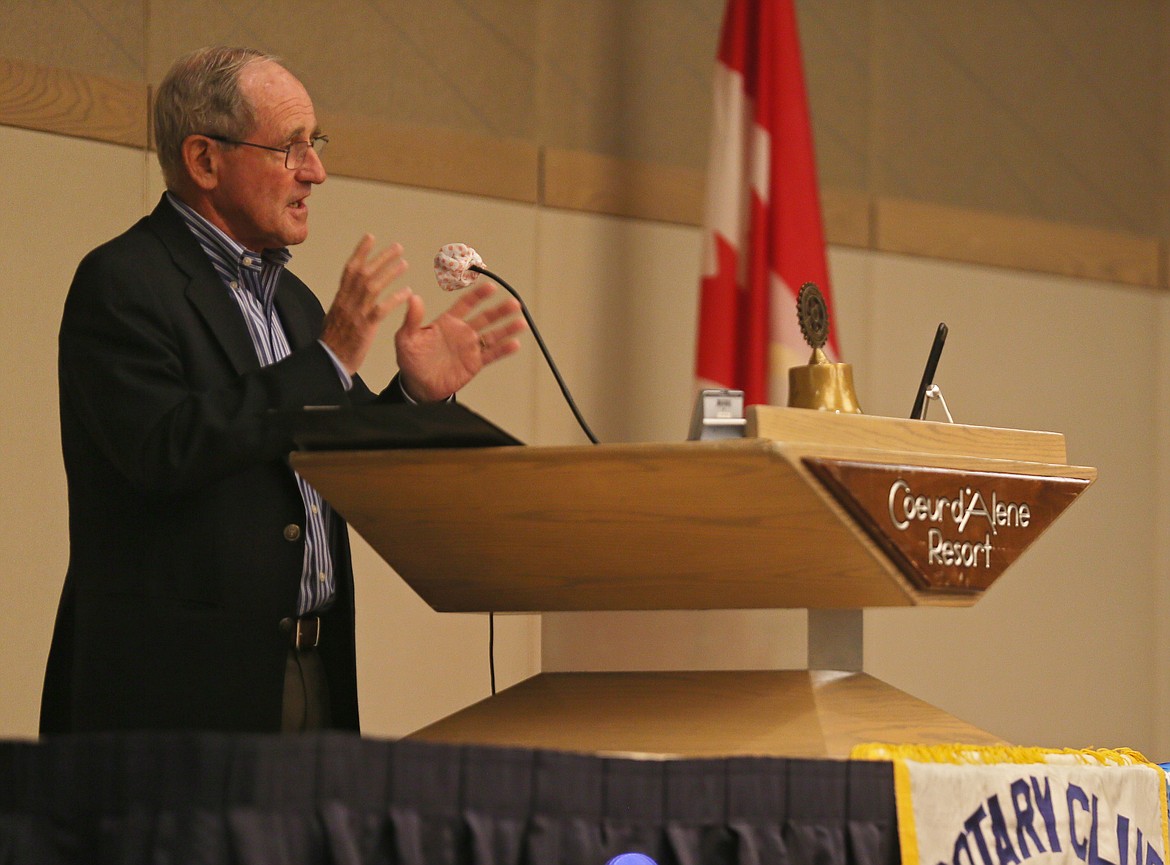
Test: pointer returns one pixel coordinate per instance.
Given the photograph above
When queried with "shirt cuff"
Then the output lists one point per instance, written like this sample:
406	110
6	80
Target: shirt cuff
414	401
346	378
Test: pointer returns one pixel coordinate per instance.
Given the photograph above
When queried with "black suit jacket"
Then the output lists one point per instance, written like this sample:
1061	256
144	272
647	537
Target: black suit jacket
185	522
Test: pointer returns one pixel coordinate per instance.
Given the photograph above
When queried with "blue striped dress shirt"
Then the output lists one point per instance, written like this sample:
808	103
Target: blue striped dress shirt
251	279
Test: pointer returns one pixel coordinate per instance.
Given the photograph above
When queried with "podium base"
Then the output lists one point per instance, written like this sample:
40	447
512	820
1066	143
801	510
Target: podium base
779	713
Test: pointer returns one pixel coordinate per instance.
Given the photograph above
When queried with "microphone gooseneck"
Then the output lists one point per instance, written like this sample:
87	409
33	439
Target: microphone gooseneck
454	265
479	268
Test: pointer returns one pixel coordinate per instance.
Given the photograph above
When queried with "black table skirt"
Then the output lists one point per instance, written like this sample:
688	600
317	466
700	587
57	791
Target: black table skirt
336	798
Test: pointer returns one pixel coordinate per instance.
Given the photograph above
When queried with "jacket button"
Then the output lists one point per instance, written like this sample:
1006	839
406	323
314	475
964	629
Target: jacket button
292	532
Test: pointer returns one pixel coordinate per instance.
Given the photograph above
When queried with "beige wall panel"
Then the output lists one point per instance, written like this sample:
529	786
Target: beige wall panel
851	280
675	640
442	64
63	196
619	301
617	306
1044	110
660	305
628	78
94	37
580	315
1062	650
836	47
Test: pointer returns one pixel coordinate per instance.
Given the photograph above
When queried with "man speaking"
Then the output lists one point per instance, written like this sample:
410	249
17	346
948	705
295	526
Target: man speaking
210	587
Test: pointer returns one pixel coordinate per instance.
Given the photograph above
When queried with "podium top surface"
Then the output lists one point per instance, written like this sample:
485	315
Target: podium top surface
899	435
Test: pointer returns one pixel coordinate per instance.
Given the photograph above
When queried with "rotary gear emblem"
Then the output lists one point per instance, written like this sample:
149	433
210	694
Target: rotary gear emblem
813	315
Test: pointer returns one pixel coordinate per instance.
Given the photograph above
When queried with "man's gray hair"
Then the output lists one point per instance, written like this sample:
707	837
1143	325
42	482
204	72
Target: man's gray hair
200	95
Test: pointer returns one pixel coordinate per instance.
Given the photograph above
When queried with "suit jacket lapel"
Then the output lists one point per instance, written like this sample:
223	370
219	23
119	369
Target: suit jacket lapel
223	317
205	290
298	327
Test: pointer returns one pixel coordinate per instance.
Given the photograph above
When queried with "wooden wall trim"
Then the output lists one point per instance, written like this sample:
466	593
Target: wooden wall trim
847	215
577	180
70	103
105	109
442	159
1017	243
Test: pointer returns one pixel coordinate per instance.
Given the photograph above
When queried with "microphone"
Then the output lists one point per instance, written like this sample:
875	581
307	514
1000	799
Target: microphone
453	265
456	266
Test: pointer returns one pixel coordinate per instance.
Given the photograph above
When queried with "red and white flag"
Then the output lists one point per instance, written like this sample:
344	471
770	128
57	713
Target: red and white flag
763	221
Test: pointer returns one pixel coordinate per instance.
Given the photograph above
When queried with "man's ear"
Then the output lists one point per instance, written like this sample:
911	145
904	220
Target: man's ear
201	158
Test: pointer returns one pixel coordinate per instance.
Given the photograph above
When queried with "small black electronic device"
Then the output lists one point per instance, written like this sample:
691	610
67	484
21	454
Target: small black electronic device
940	337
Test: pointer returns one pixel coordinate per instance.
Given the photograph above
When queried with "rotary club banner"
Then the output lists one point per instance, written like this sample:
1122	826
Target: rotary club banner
962	805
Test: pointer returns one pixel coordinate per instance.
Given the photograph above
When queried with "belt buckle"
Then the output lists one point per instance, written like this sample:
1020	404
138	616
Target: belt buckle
316	634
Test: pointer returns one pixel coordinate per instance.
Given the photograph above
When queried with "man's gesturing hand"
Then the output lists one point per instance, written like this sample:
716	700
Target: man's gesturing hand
438	359
358	309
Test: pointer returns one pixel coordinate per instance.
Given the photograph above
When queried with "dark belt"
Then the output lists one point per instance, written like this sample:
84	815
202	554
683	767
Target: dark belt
304	632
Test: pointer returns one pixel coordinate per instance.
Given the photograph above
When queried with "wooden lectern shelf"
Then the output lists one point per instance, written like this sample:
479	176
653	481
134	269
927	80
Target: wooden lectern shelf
739	524
778	713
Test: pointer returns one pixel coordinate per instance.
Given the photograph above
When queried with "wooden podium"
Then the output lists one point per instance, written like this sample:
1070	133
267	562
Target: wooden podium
833	513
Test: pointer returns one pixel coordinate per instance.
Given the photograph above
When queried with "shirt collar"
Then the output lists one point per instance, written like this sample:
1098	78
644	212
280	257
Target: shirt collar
219	246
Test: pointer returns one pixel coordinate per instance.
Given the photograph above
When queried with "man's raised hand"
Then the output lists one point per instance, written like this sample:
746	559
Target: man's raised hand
359	307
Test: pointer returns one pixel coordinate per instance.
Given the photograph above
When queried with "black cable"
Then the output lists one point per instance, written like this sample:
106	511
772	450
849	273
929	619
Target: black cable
492	649
572	405
543	348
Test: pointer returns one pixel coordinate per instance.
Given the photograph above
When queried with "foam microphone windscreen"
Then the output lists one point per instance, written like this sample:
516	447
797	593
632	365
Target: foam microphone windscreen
452	266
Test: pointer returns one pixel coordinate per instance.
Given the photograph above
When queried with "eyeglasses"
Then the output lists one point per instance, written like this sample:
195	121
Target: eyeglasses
294	155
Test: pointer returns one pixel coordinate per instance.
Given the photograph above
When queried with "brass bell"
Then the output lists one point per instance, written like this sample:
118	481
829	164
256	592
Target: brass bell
821	384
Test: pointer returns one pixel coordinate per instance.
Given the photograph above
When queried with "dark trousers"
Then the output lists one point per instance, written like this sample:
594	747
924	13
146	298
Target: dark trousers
306	693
